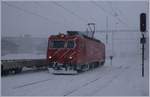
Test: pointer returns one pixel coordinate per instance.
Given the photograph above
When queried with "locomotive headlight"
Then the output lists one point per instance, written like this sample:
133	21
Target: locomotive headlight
62	35
50	57
70	57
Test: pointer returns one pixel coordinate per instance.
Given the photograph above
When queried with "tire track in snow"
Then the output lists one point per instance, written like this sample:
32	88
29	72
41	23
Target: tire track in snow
92	81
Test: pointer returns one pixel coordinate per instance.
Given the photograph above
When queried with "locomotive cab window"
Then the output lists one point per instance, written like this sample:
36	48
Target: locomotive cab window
50	44
70	44
56	44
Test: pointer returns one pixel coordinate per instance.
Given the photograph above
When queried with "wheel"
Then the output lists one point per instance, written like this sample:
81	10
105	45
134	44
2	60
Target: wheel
79	71
39	67
102	63
96	64
5	72
78	68
2	73
85	67
18	70
92	66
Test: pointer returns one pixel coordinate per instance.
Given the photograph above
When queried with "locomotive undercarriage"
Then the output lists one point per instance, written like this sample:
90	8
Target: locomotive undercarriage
57	68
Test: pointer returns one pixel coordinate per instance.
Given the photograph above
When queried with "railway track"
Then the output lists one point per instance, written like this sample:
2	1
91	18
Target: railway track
102	72
54	78
98	78
32	83
87	83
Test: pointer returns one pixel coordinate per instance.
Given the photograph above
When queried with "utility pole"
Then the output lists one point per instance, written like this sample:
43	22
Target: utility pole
107	30
143	40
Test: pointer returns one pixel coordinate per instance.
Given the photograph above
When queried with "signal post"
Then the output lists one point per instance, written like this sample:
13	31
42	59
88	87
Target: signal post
143	39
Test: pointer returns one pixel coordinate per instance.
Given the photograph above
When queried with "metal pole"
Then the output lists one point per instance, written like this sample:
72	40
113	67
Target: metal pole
106	29
143	40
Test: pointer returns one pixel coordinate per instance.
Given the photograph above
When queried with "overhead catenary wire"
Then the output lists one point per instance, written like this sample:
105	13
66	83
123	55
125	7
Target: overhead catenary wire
71	12
37	4
107	12
115	13
119	11
118	31
48	19
31	13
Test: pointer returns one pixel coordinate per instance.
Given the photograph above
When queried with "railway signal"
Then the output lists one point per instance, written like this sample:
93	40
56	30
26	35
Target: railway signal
143	22
143	39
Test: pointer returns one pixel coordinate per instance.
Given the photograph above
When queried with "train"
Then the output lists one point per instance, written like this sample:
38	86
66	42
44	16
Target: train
15	66
75	52
69	53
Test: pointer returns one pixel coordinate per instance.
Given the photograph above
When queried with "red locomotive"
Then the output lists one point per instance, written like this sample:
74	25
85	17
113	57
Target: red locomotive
74	52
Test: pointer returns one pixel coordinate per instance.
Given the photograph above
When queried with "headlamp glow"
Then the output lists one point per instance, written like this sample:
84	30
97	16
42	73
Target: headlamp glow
70	57
50	57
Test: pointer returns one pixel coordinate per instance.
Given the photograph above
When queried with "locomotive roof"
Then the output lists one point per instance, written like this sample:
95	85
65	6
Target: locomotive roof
82	34
74	33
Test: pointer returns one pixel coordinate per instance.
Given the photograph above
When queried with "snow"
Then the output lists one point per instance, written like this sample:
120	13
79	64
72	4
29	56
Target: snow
122	78
109	80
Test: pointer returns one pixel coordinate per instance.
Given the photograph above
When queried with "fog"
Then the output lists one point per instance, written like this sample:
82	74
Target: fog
43	18
26	25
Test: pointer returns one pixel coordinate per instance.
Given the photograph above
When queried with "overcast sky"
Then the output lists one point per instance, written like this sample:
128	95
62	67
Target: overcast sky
43	18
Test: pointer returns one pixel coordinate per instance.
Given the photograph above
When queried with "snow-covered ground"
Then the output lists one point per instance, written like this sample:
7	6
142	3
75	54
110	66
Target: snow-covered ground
27	22
123	78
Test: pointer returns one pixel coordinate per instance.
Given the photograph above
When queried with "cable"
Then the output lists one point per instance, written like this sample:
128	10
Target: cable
30	12
103	9
119	30
71	12
37	4
116	14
